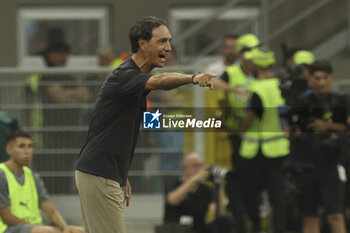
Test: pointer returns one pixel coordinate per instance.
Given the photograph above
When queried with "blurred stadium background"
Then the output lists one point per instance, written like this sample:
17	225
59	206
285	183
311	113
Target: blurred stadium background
197	26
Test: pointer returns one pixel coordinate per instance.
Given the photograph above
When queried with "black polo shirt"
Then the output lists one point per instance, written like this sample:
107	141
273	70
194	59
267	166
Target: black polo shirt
325	147
195	204
114	127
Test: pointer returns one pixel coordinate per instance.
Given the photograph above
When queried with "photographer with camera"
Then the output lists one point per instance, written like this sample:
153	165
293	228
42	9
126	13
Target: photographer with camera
189	198
294	85
320	124
296	80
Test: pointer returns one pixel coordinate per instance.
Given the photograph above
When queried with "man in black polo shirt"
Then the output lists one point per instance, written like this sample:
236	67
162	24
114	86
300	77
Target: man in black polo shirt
102	170
322	119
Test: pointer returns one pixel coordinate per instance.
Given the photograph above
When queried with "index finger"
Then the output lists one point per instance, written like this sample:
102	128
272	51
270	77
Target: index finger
211	75
127	201
126	198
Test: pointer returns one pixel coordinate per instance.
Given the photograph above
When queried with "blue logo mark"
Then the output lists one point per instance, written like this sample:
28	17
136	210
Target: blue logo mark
151	120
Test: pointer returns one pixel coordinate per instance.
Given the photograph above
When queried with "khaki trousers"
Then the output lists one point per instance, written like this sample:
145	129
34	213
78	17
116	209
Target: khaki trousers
102	202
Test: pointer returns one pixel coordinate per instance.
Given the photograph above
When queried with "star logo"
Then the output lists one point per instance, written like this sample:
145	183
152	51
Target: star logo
156	115
151	120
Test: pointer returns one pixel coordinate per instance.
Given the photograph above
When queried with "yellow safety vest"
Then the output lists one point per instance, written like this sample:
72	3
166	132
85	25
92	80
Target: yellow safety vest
23	198
266	132
237	77
116	62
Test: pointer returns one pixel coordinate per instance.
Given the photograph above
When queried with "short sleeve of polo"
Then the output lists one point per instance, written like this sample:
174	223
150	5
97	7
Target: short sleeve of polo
126	83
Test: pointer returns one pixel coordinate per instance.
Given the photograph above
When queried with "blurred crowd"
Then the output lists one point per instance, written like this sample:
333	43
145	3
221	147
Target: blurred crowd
287	128
288	131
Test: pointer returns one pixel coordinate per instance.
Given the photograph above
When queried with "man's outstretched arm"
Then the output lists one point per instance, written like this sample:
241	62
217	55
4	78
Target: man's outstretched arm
171	80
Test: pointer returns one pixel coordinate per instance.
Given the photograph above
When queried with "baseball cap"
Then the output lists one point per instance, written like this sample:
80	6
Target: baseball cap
247	41
303	57
262	57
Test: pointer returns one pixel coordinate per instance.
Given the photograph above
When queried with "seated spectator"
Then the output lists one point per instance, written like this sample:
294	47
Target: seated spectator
189	198
105	56
60	96
95	81
22	193
61	89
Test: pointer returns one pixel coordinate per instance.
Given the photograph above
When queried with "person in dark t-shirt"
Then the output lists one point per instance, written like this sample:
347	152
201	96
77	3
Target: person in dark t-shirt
106	156
324	115
189	197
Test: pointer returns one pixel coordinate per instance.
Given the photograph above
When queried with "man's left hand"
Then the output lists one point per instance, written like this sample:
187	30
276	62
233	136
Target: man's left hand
127	193
318	125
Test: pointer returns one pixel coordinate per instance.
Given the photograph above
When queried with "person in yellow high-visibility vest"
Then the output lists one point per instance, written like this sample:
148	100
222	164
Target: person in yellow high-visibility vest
236	81
119	60
22	193
237	77
295	83
264	147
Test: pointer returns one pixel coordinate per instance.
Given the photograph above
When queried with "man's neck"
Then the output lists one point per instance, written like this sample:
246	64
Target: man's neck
14	167
228	62
266	74
322	96
141	61
245	71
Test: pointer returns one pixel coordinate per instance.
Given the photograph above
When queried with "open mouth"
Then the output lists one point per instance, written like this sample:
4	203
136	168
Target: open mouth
162	56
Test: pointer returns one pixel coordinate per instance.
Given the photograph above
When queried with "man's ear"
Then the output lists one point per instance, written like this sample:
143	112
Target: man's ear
9	148
142	42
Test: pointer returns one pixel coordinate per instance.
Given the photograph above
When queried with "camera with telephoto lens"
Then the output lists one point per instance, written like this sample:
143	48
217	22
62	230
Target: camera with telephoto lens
298	118
217	173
